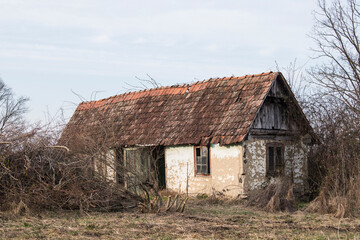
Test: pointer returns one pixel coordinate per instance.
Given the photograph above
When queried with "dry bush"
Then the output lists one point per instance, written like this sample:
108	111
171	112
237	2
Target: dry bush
40	177
335	163
343	202
278	196
36	174
167	193
214	198
44	167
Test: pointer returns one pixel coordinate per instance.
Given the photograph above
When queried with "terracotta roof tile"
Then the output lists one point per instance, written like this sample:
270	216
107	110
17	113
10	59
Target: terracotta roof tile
219	110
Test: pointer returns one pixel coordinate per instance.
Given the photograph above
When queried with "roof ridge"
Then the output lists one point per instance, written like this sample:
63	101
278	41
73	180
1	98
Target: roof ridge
187	85
139	91
240	77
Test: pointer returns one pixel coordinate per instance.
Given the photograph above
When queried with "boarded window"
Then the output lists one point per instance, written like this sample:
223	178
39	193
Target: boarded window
202	160
274	159
136	163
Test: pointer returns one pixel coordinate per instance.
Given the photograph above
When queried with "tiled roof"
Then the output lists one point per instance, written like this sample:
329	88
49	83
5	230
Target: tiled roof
217	110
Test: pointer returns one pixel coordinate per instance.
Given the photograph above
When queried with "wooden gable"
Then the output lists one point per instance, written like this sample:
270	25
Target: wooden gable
280	113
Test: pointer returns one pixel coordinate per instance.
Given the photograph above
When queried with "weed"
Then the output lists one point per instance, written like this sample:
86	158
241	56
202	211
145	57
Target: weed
202	196
90	227
74	233
27	225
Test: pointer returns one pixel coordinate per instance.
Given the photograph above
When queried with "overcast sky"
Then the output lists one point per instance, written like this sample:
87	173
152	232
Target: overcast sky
50	48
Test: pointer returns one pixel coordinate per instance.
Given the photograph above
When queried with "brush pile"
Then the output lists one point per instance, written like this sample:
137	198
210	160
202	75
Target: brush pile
278	196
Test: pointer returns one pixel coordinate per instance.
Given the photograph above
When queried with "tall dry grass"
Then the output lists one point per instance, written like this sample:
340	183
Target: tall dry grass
335	163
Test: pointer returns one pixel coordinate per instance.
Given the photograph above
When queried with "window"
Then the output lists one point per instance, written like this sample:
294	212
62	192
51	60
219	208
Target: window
202	162
275	159
137	162
137	167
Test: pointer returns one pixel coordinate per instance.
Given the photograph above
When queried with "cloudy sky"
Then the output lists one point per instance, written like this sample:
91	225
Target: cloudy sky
50	49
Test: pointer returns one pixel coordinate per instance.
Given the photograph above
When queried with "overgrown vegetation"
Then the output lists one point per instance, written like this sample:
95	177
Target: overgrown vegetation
36	174
332	104
278	196
335	111
335	163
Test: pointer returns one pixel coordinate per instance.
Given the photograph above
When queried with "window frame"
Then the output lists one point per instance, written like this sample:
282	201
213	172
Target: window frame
208	161
275	173
138	149
133	173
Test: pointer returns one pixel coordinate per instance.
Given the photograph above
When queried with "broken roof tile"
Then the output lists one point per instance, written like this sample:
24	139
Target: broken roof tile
205	111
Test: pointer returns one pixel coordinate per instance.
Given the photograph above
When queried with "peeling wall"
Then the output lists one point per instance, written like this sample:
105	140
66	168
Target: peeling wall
297	165
111	165
234	170
104	164
254	165
225	170
295	160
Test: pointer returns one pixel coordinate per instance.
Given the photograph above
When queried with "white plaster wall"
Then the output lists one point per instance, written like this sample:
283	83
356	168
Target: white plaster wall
104	164
297	165
255	167
225	170
111	165
179	166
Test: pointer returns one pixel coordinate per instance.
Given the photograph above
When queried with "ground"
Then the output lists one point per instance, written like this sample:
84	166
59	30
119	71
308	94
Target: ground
199	221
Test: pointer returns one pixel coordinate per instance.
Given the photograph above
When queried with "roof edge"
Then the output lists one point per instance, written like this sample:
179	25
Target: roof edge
258	110
159	91
311	130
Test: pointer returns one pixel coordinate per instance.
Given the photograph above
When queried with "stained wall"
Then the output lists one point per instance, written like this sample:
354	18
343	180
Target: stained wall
235	170
225	170
295	160
105	165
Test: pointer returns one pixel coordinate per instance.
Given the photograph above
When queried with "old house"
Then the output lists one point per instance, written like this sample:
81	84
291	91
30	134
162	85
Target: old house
230	135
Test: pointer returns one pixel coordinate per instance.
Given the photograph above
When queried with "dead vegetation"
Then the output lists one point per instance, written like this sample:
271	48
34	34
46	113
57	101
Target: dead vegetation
333	109
336	164
36	174
39	173
40	178
214	221
278	196
172	205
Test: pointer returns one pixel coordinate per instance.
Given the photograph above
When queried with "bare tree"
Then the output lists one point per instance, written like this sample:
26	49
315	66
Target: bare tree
143	84
12	111
335	114
336	34
297	79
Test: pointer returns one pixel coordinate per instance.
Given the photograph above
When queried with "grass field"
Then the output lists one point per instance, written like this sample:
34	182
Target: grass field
199	221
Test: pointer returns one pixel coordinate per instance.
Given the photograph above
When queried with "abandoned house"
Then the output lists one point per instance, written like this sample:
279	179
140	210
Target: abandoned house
230	135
